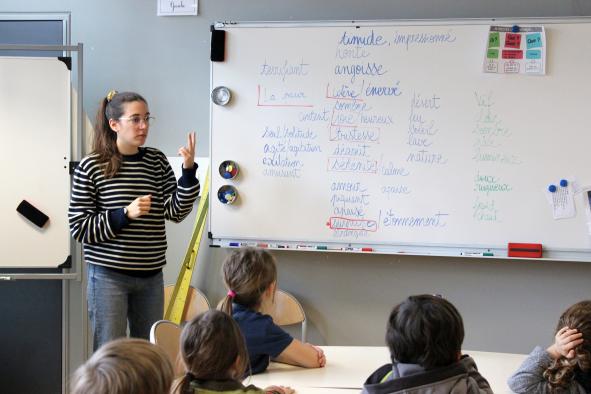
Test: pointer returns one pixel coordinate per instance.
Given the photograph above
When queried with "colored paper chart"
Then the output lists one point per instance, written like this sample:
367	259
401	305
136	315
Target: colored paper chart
516	50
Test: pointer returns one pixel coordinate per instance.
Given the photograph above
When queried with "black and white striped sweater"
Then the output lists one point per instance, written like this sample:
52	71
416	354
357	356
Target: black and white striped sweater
96	209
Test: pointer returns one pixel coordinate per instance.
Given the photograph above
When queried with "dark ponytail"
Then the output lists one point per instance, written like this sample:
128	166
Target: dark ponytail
104	143
212	348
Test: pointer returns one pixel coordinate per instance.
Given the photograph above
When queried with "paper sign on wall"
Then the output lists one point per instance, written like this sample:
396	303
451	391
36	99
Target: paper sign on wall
176	7
561	198
516	50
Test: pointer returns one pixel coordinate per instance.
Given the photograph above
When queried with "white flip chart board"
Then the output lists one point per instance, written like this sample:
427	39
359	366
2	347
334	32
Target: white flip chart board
35	154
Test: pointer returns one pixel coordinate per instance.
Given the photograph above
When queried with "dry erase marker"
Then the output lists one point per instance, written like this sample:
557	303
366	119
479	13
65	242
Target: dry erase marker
324	247
477	254
367	249
235	244
261	245
470	254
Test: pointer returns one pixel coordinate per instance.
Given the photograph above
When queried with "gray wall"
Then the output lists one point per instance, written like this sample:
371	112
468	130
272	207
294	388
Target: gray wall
507	306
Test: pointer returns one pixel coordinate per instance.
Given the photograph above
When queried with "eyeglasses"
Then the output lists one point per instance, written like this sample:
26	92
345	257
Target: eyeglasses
137	120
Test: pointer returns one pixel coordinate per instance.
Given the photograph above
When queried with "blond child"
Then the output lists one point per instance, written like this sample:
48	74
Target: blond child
124	366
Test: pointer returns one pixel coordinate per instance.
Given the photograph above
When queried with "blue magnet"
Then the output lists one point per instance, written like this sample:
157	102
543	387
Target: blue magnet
227	194
228	169
552	188
563	183
515	29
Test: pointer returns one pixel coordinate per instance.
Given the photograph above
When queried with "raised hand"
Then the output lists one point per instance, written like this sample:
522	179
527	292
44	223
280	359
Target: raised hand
139	207
565	342
188	152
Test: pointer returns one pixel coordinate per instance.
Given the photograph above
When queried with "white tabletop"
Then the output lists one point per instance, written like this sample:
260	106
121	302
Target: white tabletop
347	367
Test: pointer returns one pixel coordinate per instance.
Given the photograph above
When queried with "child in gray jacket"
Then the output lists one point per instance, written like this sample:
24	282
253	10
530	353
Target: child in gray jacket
425	335
565	366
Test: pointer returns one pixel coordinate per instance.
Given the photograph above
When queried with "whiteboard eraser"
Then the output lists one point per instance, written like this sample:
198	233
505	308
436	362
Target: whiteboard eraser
515	249
31	213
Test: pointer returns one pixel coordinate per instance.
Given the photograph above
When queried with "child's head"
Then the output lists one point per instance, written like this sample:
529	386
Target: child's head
426	330
124	366
109	120
563	370
248	273
213	348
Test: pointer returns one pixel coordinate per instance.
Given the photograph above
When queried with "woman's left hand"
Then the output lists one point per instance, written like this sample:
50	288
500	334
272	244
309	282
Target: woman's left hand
188	152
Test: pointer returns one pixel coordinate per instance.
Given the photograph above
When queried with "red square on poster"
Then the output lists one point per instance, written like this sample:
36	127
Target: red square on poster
512	40
512	54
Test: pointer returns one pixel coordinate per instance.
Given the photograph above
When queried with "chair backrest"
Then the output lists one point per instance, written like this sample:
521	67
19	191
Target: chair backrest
196	302
285	311
167	335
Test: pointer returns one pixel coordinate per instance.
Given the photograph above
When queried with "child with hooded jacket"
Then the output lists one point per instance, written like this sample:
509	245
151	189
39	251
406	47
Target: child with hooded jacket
425	335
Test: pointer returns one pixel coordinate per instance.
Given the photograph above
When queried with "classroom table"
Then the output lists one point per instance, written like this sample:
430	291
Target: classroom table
347	367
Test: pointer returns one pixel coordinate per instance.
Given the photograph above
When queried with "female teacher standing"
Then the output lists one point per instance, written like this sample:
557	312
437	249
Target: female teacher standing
121	194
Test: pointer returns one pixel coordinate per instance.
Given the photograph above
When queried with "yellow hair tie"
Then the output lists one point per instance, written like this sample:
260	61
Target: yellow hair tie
110	95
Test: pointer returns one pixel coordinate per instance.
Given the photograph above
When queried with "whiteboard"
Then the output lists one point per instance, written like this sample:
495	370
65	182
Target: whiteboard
406	145
35	154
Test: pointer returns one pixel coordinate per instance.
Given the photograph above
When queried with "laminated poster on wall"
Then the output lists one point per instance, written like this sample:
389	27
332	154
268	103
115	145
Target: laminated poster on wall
516	50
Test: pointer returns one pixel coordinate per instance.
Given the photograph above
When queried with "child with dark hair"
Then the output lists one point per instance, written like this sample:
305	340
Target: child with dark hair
251	278
425	335
565	366
215	358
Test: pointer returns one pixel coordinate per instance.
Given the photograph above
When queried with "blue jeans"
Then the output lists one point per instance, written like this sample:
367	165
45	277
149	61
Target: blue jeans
115	298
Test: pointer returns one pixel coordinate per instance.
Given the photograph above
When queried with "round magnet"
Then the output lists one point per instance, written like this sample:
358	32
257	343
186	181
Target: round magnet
563	183
552	188
227	194
221	95
228	169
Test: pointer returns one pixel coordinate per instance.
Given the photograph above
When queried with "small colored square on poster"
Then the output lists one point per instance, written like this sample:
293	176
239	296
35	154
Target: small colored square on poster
492	54
492	66
513	40
534	40
533	67
511	67
493	39
533	54
512	54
